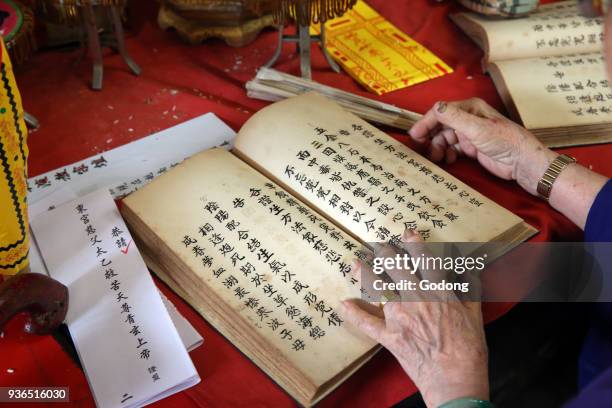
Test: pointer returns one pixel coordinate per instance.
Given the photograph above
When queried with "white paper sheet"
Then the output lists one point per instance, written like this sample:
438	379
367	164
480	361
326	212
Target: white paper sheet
129	167
123	170
58	197
189	336
130	350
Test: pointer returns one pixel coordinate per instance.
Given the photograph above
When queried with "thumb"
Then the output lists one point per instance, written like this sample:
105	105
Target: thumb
473	127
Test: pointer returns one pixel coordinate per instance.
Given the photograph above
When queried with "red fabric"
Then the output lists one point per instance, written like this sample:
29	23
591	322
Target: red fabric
77	122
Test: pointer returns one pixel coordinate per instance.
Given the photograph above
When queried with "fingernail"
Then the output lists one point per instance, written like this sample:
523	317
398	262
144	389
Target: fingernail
442	107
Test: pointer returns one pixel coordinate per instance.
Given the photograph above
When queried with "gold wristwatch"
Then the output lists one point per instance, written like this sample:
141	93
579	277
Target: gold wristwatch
556	167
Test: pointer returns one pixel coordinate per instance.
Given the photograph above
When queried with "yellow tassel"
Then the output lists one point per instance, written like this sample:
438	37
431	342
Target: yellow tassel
312	11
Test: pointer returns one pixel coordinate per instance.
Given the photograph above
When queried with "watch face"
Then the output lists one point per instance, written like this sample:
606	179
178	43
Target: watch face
593	8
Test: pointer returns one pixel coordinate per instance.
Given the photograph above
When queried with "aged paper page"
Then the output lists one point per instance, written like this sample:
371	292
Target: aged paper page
369	183
558	91
276	264
552	30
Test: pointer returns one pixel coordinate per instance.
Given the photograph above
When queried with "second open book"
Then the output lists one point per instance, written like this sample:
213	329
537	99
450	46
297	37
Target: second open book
260	240
549	70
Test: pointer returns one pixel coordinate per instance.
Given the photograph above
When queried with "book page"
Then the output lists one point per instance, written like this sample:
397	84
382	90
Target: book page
553	92
277	266
370	184
552	30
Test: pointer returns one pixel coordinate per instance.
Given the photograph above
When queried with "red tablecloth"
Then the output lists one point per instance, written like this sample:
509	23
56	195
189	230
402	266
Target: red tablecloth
180	82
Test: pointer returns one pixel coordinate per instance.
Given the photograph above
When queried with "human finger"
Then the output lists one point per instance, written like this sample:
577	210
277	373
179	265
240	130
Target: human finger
397	273
451	155
431	121
417	248
437	148
371	325
474	127
365	277
424	127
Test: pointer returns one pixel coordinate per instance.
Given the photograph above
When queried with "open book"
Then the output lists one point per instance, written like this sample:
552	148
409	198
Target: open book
260	240
549	70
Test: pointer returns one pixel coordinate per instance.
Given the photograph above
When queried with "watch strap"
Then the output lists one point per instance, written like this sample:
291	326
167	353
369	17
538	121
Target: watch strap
550	175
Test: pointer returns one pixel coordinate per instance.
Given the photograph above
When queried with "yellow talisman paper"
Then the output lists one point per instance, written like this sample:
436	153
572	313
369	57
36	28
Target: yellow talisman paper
376	53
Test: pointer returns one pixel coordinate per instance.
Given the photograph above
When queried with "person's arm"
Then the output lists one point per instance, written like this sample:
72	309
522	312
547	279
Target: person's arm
574	192
507	150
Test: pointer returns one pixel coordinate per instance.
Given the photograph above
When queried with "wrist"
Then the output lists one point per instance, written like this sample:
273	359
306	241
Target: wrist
532	165
449	392
443	388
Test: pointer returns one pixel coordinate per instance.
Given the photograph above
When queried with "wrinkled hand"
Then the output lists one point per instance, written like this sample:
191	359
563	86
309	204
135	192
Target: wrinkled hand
439	342
474	128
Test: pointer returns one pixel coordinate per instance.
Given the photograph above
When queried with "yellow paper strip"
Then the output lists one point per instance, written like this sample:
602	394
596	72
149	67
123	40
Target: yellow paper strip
377	54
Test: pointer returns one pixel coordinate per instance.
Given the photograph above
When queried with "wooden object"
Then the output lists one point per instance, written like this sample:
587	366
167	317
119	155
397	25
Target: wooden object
236	29
68	11
219	12
87	13
43	298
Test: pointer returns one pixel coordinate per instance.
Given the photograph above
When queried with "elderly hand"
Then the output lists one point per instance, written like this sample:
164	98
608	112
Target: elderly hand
438	339
473	128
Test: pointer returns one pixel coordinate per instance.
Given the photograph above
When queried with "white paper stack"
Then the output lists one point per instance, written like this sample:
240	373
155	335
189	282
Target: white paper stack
131	340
